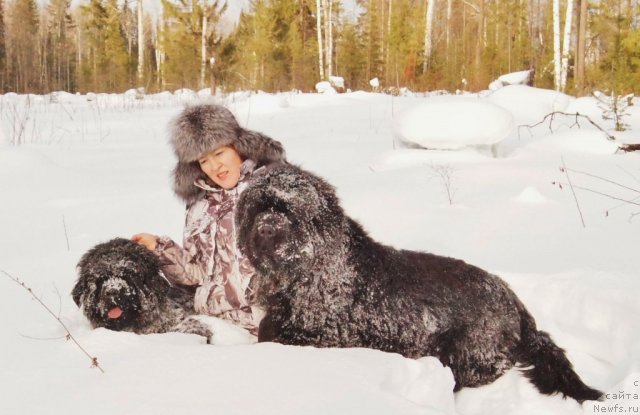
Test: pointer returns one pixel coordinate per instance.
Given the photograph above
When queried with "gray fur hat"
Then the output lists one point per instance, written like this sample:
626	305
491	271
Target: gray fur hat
202	128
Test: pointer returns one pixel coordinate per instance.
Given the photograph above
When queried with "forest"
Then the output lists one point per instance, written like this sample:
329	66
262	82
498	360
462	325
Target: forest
574	46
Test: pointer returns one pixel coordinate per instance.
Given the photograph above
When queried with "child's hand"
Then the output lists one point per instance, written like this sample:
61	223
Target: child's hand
146	239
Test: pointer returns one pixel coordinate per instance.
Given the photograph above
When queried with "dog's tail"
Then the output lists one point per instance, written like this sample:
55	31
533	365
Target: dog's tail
546	365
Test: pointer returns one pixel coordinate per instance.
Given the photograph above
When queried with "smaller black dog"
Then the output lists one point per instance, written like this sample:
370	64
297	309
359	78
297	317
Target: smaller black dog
120	288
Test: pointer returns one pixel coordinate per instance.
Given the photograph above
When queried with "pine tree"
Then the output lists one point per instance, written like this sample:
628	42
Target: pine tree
61	56
302	46
182	39
93	17
274	47
403	43
371	38
615	22
22	56
105	65
351	60
129	28
115	60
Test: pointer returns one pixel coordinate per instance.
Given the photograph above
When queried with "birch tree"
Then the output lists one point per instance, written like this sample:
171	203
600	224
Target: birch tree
203	52
580	50
140	68
566	45
557	64
428	35
319	30
329	35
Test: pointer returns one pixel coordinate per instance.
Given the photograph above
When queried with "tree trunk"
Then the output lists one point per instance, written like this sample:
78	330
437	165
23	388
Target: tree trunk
320	48
140	45
566	45
203	51
328	33
428	35
387	63
479	39
557	64
160	55
580	53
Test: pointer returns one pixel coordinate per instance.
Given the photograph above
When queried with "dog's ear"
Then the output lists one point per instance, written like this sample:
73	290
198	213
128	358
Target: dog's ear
78	290
157	283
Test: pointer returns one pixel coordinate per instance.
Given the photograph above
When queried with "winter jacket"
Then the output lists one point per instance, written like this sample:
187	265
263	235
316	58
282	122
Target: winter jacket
209	257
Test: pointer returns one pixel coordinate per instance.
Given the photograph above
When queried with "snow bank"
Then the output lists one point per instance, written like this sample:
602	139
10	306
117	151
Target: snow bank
451	123
529	104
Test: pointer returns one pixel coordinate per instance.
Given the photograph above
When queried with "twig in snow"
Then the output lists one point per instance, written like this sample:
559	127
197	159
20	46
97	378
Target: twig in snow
625	201
603	179
586	189
68	336
551	116
66	234
564	170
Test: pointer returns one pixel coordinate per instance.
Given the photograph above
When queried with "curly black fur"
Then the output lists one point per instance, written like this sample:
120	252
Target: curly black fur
120	288
324	282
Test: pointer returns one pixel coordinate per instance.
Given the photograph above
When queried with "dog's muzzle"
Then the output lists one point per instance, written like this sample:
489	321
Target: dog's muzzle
114	293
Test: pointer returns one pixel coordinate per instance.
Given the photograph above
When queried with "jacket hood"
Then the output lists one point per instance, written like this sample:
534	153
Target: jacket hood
203	128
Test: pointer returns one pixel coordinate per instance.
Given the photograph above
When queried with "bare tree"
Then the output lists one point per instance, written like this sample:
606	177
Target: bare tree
140	44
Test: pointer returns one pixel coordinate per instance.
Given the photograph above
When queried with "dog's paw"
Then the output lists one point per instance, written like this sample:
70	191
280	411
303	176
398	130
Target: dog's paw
191	325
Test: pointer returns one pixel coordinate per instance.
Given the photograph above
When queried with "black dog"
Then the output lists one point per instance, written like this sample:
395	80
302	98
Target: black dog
324	282
120	288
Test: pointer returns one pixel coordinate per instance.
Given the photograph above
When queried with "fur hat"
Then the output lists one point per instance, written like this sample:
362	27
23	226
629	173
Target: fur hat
202	128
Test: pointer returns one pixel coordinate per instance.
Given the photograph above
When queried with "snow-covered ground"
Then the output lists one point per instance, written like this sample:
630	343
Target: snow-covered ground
90	170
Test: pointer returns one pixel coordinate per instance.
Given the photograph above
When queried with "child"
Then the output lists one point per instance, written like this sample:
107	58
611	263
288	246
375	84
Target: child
216	159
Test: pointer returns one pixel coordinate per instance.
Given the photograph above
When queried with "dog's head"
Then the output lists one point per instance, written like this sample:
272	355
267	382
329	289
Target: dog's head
287	219
119	285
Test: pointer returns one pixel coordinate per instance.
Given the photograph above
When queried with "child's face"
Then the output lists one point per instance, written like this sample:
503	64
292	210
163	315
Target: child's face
222	166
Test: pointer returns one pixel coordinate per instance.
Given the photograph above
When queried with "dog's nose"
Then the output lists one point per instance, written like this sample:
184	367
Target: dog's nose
266	231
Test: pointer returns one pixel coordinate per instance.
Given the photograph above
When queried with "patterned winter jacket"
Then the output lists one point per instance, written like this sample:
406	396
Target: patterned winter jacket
209	257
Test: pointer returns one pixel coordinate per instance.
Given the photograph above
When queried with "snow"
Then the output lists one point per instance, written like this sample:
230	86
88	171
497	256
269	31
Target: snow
513	78
324	87
92	167
529	104
435	123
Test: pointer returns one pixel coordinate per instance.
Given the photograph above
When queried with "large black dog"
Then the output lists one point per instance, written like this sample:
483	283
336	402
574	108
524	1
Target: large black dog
324	282
120	288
